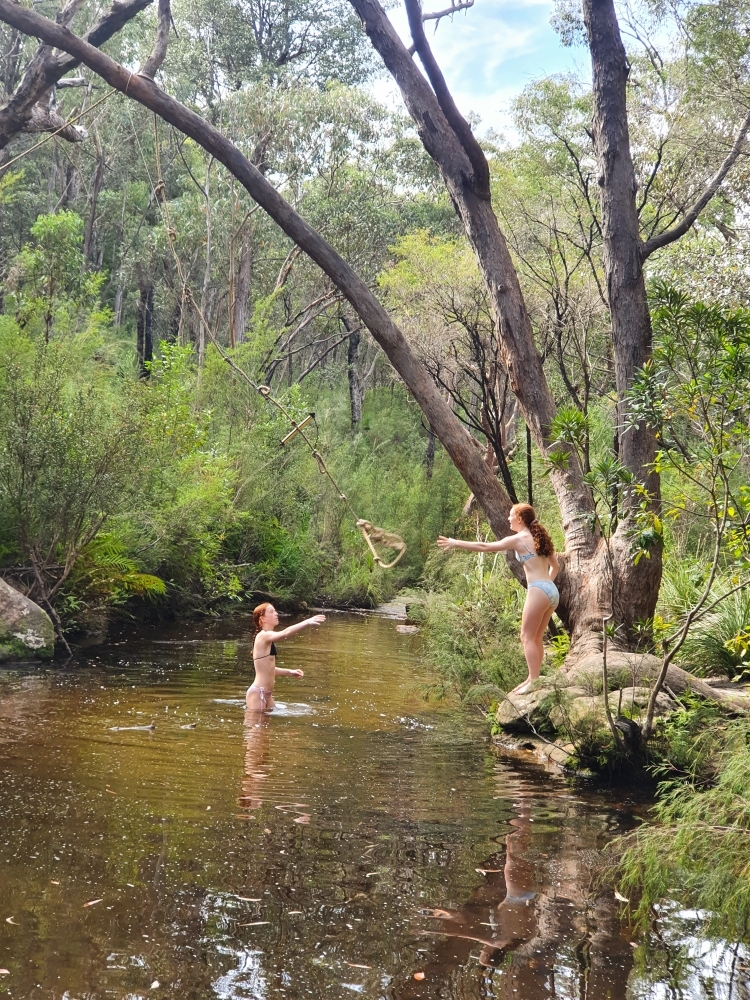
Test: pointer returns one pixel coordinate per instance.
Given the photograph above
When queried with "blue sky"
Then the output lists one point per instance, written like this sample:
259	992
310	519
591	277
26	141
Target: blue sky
490	52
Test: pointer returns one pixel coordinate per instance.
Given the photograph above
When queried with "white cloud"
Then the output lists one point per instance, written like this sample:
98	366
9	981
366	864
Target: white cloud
489	53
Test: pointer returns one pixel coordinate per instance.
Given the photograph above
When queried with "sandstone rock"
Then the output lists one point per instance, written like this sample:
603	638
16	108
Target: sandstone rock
523	713
515	711
26	632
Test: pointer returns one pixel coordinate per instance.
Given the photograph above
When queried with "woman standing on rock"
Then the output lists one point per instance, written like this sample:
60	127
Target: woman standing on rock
534	548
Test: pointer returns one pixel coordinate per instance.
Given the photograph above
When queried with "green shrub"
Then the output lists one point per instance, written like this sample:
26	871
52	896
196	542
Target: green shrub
697	850
716	643
471	628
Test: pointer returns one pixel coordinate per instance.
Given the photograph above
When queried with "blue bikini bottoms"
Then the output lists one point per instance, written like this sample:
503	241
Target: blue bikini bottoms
549	589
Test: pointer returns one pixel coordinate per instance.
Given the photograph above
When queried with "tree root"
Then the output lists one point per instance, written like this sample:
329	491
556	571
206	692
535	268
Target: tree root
642	667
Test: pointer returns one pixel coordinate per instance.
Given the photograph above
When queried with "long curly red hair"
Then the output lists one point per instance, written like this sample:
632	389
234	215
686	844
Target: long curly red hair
542	541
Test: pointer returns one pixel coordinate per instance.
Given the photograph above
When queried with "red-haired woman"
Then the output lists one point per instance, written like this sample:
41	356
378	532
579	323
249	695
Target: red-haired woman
534	548
259	697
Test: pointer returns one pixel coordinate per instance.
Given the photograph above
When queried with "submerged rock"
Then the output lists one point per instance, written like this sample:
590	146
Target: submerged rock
26	632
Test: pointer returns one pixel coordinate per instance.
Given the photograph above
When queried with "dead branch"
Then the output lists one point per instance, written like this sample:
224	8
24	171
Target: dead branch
448	12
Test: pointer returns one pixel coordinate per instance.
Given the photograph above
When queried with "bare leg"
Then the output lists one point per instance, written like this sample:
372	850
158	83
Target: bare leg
534	621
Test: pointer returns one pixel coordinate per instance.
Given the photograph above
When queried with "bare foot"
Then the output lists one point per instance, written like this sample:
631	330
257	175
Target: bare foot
524	687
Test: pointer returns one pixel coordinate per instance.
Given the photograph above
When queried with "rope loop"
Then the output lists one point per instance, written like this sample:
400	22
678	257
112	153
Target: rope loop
388	538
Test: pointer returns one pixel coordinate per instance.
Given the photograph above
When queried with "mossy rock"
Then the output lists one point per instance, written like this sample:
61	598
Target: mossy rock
26	632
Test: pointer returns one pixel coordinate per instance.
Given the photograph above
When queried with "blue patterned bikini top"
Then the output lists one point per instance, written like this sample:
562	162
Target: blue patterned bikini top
523	559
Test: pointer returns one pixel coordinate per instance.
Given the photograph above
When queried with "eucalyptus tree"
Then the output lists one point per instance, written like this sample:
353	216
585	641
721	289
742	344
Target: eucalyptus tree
463	166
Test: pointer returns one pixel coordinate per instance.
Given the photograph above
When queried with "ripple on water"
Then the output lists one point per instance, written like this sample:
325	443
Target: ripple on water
295	857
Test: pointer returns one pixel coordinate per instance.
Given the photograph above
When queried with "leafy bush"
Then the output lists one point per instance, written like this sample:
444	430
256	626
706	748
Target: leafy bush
698	848
471	628
716	643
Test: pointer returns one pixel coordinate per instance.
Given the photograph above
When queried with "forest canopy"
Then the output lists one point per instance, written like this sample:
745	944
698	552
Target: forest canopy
128	250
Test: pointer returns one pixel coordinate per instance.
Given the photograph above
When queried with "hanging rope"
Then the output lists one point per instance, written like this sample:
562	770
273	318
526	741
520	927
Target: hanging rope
372	534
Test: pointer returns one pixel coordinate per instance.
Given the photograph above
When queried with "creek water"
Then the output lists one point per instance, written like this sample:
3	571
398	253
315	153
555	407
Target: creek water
359	841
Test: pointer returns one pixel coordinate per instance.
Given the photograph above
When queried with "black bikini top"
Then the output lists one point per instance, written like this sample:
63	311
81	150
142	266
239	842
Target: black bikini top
272	653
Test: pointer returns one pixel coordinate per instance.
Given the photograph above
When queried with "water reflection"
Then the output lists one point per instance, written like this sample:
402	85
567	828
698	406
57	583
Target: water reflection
339	847
257	735
258	769
532	928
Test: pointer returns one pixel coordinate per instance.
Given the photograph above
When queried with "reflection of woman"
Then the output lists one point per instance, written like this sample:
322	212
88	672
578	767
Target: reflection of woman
533	547
515	917
259	697
513	920
256	753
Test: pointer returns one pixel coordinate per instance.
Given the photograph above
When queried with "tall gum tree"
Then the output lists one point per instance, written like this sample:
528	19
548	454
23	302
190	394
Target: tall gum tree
586	584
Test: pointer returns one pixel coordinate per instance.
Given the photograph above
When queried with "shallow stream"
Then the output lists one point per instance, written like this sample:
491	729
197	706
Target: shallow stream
360	841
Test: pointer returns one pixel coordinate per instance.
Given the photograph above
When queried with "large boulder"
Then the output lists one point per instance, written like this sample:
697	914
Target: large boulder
26	632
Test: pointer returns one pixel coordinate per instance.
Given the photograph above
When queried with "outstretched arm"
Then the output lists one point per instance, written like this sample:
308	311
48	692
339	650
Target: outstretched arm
504	545
293	629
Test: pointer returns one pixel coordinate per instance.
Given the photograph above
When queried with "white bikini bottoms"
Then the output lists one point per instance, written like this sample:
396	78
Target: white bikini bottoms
549	589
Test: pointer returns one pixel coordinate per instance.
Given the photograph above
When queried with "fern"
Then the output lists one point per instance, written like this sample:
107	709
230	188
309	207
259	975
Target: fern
104	572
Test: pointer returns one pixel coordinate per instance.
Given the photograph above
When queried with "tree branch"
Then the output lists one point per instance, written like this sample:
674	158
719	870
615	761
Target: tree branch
453	9
664	239
455	119
436	132
159	51
472	467
46	68
322	356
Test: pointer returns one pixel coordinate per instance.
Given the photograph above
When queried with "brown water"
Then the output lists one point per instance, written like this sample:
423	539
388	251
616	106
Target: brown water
357	838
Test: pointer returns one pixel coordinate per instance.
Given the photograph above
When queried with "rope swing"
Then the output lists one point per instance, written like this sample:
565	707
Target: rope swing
371	534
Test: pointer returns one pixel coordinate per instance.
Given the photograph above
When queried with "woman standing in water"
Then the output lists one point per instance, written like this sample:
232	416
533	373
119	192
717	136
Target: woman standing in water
259	697
533	547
